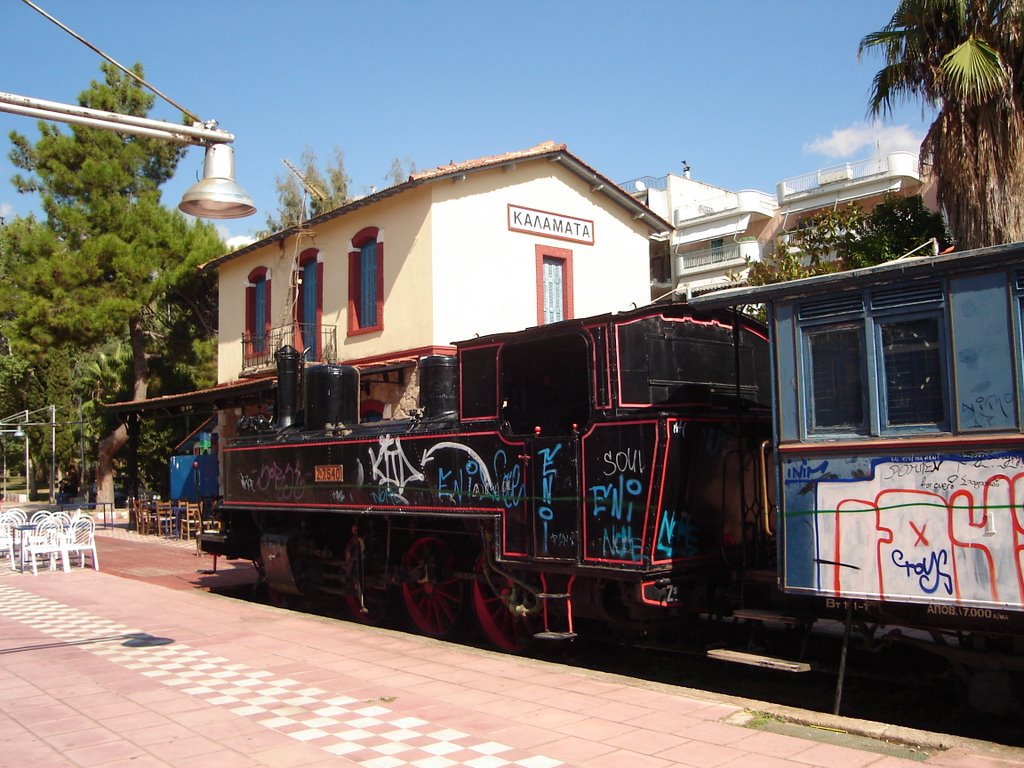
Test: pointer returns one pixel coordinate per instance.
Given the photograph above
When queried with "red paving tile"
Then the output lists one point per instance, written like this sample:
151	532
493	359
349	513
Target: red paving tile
246	685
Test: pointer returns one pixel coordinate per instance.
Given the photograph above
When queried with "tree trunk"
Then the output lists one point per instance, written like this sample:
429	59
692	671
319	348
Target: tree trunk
116	440
979	162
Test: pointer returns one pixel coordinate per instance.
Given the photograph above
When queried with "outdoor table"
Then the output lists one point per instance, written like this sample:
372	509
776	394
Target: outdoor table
22	532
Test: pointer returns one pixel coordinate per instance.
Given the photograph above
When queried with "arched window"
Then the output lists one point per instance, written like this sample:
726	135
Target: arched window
310	302
257	312
366	282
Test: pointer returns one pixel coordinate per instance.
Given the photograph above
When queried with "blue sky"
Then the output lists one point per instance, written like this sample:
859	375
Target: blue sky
748	93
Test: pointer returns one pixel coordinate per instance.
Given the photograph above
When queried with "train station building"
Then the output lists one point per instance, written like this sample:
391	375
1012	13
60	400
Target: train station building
471	248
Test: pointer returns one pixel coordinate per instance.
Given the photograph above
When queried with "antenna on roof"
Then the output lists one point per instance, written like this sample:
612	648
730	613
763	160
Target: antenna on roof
307	185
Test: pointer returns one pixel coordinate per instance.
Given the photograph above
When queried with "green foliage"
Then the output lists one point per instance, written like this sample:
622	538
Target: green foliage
103	297
306	192
964	59
848	238
399	173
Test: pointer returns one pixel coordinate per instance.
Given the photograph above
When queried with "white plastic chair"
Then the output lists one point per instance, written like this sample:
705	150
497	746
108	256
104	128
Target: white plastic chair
49	538
7	542
39	516
14	516
17	514
81	538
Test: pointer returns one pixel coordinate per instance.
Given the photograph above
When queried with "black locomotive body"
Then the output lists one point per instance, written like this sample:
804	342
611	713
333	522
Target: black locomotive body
605	469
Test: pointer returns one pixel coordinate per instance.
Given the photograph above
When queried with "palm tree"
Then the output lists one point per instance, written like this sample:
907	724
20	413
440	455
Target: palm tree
964	58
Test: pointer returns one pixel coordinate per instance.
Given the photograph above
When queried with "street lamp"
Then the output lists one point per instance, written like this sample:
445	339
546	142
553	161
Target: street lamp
216	196
23	419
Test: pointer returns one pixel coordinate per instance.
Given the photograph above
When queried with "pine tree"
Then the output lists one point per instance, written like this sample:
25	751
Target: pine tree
108	261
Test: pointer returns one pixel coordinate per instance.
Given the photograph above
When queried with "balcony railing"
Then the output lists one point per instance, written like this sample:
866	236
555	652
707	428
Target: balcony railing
258	350
893	164
645	182
709	257
745	201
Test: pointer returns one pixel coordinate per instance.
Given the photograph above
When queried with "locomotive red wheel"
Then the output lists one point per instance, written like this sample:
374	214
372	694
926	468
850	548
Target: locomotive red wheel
501	627
434	598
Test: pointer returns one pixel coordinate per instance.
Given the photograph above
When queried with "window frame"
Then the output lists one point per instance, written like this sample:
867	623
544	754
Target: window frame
874	382
362	238
884	416
254	278
563	255
810	428
307	257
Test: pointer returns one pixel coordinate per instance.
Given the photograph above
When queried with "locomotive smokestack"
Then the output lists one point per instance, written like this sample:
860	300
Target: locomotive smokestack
287	358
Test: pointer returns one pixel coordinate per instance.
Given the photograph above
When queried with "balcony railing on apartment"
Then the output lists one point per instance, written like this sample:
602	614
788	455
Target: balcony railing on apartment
258	350
893	164
645	182
745	201
709	257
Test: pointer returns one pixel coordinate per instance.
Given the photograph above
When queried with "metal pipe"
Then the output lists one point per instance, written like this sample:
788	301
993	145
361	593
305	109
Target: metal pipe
96	118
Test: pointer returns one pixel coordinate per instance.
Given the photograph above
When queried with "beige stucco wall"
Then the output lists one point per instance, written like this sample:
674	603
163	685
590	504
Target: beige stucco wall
452	267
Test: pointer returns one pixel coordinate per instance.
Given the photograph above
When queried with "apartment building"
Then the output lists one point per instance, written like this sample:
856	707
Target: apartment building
717	232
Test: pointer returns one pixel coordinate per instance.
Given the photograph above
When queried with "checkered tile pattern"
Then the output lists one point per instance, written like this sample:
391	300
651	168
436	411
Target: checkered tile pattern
366	734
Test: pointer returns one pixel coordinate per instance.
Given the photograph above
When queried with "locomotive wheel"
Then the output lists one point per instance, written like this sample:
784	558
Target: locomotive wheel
434	600
501	628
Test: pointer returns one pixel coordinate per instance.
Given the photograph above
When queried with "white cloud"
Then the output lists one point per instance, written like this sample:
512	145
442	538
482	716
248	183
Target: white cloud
864	139
239	241
6	210
233	242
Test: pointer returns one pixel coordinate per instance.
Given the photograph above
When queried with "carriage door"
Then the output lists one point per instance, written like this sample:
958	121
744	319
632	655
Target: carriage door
554	497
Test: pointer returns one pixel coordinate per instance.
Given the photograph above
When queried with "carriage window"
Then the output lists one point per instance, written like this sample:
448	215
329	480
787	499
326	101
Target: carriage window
912	368
874	361
837	379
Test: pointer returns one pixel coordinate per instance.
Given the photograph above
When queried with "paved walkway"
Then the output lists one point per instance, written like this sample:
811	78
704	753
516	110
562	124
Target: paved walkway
113	668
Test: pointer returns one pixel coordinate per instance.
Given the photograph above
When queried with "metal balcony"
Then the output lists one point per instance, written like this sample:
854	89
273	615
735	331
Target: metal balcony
258	350
728	254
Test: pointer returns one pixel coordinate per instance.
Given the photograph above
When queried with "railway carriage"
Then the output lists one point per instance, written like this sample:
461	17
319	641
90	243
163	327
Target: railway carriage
899	447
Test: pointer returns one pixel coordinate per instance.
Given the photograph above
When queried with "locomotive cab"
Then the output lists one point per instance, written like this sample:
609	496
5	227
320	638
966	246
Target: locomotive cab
544	386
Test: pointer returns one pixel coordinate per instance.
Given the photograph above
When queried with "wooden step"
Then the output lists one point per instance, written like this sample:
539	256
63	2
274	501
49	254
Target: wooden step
754	614
758	660
555	635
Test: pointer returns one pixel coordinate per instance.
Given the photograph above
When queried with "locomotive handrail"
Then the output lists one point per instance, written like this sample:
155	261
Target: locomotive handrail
763	469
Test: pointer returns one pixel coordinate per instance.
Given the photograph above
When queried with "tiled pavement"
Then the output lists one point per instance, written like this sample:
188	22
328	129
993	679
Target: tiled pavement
112	668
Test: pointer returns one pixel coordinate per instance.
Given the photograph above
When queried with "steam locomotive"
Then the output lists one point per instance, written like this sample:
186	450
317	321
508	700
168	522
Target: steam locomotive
603	470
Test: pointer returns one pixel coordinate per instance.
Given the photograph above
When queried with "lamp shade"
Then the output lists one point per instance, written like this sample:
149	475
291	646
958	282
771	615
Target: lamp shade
217	195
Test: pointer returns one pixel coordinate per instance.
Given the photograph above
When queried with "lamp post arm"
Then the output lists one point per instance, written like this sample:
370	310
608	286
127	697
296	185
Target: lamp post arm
200	134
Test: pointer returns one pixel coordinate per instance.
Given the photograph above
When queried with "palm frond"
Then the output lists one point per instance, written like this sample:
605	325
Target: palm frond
973	72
